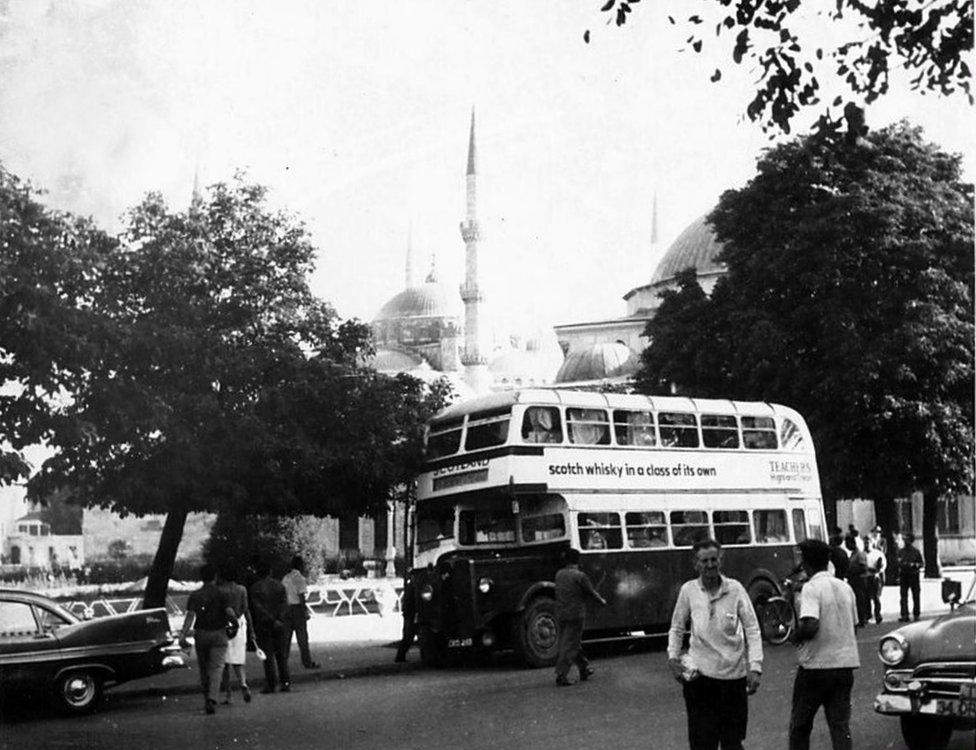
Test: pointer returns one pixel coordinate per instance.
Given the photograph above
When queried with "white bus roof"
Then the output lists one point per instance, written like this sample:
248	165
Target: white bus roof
610	400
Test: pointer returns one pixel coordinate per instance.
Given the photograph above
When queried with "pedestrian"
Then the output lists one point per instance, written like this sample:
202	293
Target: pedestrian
573	589
909	568
244	638
857	572
839	556
208	611
269	612
296	589
723	665
826	651
876	565
408	608
877	538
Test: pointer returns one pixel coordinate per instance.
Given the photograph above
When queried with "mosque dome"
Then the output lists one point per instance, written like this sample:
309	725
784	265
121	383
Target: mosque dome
696	246
598	362
429	300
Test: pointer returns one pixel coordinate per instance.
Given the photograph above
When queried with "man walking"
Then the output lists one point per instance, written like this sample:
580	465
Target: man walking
723	665
296	589
573	588
826	652
408	608
909	567
269	610
207	612
857	578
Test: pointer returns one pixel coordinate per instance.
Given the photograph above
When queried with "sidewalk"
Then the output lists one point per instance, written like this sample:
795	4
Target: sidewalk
360	645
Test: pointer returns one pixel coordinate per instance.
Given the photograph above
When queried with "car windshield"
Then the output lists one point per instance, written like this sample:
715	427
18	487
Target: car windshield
970	596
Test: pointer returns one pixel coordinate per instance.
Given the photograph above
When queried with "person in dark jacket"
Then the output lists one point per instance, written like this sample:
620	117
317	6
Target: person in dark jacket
408	608
857	577
839	556
910	564
573	589
269	612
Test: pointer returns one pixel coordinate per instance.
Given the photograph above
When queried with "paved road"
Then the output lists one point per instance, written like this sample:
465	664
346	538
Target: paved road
630	703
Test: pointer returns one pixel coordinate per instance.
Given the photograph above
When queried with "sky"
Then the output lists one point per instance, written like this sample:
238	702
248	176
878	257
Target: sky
356	116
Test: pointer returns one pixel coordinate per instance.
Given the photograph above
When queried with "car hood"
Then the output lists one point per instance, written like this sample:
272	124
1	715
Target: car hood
951	637
143	625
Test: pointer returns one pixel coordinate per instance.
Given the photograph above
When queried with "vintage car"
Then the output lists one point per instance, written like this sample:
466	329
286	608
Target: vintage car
44	649
930	673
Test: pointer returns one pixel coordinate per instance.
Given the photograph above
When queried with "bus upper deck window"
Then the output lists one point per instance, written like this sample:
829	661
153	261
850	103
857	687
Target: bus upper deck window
634	427
688	527
759	433
678	430
444	438
790	436
598	531
541	425
720	431
647	529
487	429
770	526
731	526
588	426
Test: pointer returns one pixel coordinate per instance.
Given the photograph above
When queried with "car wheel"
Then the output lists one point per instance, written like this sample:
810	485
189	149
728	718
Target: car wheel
925	733
537	633
78	691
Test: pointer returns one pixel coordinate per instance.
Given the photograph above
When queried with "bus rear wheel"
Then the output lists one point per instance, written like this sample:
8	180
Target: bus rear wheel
537	633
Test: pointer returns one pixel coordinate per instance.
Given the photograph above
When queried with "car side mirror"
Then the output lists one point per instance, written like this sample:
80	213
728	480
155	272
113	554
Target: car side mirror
951	592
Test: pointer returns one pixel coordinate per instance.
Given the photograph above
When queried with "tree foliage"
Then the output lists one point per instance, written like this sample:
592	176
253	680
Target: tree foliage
849	296
209	378
929	39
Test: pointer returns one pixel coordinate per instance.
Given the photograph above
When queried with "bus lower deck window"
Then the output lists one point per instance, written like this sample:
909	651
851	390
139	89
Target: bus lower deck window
647	529
688	527
486	527
770	526
731	526
598	531
543	528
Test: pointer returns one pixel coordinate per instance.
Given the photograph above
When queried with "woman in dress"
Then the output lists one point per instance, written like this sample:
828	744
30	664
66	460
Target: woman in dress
237	646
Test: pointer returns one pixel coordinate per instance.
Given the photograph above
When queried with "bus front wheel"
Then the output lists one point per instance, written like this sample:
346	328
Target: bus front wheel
537	633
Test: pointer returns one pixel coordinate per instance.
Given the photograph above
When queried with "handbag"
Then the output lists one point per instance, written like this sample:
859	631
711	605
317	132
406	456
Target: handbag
232	627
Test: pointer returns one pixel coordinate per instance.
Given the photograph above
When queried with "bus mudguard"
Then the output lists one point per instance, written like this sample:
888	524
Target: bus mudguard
547	588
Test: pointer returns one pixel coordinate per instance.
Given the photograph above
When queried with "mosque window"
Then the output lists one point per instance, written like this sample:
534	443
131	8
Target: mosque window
720	431
759	433
588	426
541	424
678	430
634	427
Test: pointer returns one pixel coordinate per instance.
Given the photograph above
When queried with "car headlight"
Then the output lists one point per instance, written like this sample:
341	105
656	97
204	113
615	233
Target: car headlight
427	593
484	585
893	649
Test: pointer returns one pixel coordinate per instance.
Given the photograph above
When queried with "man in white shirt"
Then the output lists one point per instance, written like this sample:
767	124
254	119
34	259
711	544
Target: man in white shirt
295	590
826	652
724	660
877	563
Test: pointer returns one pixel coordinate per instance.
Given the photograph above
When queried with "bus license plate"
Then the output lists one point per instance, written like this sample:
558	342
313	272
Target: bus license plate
459	642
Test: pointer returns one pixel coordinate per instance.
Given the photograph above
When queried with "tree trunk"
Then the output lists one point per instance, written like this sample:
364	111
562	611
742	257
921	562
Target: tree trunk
930	533
157	583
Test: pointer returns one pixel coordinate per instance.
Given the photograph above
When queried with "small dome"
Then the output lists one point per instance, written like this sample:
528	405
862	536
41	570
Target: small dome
429	300
695	246
598	362
394	360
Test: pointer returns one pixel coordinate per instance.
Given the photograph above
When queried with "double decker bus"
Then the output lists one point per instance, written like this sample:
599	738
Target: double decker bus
514	478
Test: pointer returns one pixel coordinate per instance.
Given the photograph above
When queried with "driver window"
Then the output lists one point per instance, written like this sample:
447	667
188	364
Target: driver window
49	621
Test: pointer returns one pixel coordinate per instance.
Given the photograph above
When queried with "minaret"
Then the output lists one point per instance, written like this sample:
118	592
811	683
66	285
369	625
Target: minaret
473	359
410	279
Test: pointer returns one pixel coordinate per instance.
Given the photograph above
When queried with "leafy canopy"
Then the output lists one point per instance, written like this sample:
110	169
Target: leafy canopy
849	296
929	39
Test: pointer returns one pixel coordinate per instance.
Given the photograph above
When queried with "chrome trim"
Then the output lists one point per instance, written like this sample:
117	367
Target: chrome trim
900	639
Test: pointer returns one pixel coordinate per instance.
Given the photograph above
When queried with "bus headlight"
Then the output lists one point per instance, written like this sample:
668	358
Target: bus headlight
427	593
484	585
893	649
487	639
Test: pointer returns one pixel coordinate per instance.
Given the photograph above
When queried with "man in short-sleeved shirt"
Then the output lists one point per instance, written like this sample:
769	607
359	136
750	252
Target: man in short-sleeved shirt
295	589
826	652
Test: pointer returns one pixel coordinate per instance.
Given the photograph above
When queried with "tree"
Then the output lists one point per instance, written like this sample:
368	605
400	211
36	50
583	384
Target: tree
47	262
849	296
930	39
218	381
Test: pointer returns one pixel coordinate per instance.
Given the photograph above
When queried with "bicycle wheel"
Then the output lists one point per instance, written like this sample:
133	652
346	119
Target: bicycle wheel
776	620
